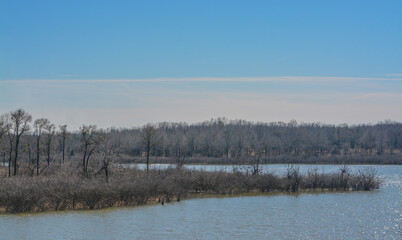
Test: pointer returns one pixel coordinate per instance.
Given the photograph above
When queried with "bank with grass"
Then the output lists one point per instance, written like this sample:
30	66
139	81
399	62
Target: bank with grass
67	189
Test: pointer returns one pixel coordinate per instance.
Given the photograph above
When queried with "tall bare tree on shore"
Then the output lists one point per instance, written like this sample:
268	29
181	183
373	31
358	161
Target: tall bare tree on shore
29	144
2	126
63	133
20	124
106	150
3	131
39	125
90	140
148	140
10	138
50	128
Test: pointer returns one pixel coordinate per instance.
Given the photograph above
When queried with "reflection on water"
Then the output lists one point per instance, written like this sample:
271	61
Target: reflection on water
357	215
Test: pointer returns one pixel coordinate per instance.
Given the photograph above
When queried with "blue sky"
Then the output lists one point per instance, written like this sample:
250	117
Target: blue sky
126	63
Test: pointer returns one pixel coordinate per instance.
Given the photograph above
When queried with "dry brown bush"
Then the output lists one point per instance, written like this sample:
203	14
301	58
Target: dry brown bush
63	187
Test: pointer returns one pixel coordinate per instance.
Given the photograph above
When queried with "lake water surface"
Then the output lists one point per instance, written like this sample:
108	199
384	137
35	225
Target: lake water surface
353	215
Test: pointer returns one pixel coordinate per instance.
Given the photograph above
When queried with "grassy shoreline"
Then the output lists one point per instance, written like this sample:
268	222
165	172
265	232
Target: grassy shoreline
193	196
65	189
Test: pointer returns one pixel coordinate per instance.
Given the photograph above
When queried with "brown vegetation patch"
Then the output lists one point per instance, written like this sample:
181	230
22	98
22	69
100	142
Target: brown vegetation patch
65	190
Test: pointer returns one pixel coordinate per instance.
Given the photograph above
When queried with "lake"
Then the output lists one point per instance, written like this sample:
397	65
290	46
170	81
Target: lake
352	215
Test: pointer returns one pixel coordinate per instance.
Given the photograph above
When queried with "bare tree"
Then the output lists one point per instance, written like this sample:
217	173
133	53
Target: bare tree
2	126
63	133
148	140
90	140
257	152
20	120
10	138
181	150
39	125
344	178
255	163
3	131
294	177
180	157
106	150
30	150
50	128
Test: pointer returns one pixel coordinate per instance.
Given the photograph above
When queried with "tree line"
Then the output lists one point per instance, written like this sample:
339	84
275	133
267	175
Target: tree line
37	144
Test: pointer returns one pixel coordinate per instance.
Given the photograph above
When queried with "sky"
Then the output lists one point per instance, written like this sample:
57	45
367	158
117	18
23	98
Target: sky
127	63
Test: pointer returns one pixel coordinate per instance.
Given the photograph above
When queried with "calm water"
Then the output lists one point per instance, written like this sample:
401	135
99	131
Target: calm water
360	215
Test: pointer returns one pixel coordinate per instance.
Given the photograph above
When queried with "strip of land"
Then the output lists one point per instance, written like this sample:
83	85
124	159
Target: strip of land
64	188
